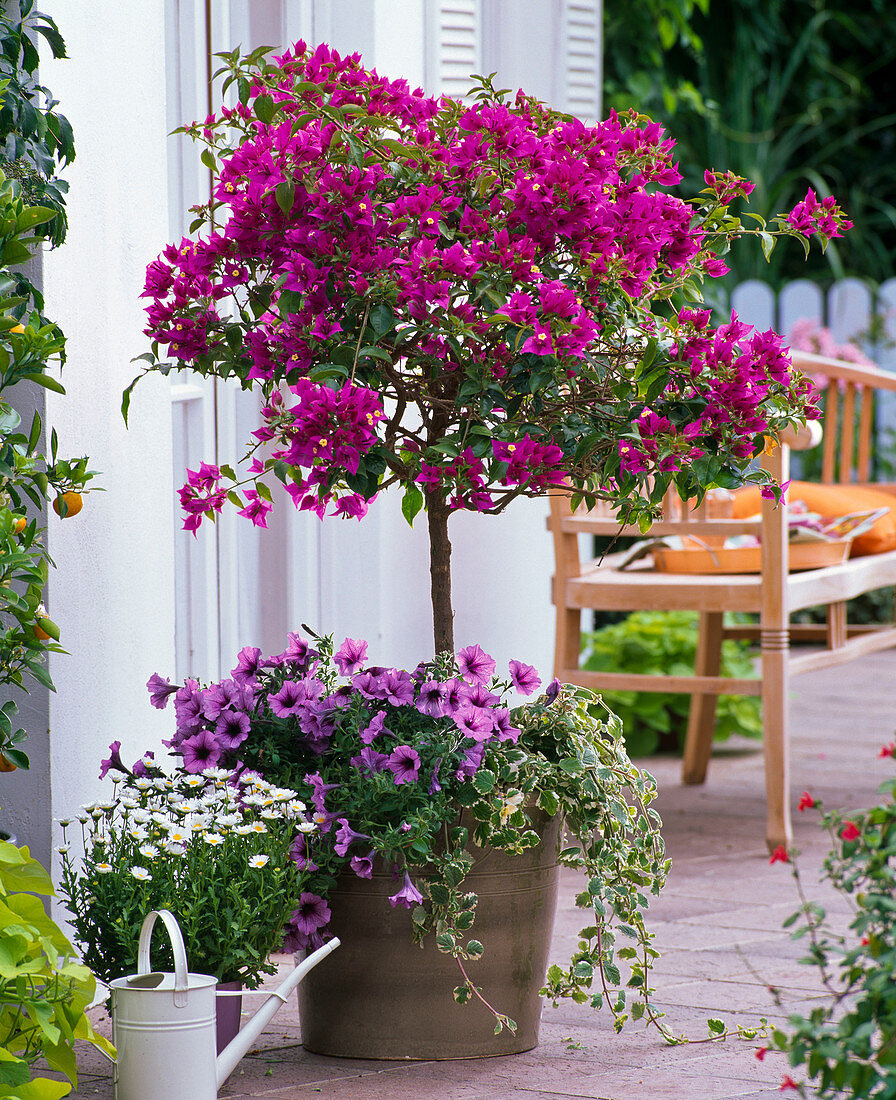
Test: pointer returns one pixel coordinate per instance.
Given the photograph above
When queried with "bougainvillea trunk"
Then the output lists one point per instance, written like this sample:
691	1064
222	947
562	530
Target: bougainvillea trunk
440	573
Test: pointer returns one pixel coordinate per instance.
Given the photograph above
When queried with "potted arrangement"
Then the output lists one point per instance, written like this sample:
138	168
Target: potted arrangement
474	302
213	850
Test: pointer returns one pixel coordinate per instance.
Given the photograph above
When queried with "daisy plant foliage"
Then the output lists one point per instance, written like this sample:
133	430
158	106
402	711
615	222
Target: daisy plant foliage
212	849
470	300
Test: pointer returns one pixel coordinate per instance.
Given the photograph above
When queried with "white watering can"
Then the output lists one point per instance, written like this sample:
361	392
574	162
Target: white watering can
164	1024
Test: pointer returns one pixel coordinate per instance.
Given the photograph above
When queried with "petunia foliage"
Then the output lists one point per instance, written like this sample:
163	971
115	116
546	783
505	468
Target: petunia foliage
472	300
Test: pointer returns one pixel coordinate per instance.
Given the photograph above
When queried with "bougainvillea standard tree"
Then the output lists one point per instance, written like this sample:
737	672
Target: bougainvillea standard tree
474	301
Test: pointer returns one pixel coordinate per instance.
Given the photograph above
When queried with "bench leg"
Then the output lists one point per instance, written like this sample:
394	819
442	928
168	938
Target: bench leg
776	737
568	640
702	715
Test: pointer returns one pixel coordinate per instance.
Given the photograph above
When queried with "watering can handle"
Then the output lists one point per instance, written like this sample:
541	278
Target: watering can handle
181	981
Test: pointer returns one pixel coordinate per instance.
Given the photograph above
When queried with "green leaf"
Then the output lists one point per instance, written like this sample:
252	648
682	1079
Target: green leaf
264	108
768	243
46	381
34	435
411	503
34	215
484	781
285	196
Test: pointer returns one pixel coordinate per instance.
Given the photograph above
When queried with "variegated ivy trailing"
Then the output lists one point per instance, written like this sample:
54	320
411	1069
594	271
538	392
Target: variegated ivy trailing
472	300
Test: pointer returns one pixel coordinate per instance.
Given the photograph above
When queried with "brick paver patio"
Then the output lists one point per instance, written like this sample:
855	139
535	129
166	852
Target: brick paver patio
718	924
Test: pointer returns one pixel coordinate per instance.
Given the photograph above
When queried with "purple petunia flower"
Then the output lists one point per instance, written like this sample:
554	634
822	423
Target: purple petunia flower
475	665
350	656
289	699
404	764
524	677
232	729
503	728
398	688
298	853
159	690
370	761
312	913
226	694
471	761
248	662
319	790
431	699
114	763
434	784
552	690
346	837
188	707
200	752
362	865
475	722
374	728
408	895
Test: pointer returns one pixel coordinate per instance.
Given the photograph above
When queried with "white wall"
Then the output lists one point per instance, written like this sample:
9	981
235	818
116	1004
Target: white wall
112	591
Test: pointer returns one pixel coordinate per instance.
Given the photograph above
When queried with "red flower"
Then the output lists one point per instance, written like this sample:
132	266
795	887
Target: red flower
850	831
779	855
761	1052
888	750
806	801
788	1083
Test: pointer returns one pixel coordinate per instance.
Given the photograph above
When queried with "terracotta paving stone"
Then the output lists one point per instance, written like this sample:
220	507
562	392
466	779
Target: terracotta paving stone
718	925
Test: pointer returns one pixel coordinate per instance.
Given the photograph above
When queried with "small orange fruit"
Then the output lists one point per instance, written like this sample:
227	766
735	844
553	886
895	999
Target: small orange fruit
40	633
6	765
73	501
17	328
19	524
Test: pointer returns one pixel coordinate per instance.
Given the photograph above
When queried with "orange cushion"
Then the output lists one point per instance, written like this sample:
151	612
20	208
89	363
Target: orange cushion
831	501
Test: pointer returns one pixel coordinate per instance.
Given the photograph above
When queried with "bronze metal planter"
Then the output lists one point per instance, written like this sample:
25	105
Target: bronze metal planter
382	996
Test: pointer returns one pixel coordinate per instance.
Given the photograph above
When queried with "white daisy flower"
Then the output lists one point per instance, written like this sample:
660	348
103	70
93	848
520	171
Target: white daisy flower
103	868
82	817
64	822
271	813
174	848
214	839
220	775
228	820
137	832
306	827
199	822
105	806
177	835
148	850
243	830
193	782
141	815
141	874
296	806
62	849
258	827
142	783
258	861
128	803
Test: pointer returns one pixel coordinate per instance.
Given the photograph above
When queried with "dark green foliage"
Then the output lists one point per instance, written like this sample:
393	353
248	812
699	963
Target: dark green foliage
35	140
792	95
665	643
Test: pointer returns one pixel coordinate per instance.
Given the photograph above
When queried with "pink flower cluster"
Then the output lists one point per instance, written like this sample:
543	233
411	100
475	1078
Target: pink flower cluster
813	216
487	266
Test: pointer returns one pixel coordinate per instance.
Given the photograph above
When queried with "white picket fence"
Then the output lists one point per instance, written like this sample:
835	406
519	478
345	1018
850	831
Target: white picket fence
847	309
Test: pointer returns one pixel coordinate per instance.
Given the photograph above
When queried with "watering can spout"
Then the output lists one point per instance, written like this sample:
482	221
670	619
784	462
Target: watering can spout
231	1055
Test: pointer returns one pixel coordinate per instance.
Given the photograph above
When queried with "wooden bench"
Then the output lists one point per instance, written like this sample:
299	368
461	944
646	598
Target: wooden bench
772	594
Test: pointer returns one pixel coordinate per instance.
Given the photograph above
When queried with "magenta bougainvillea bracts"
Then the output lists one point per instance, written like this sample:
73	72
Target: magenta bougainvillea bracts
474	300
